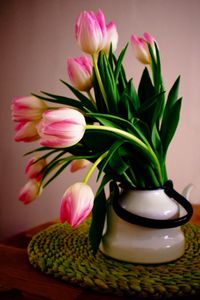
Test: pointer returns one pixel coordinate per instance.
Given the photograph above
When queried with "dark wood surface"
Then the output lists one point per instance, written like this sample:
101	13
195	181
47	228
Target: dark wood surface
19	280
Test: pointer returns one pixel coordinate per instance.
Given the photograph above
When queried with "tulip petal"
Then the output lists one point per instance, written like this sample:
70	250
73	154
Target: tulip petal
26	132
79	164
30	191
27	109
112	37
76	204
34	168
80	72
91	31
140	49
63	127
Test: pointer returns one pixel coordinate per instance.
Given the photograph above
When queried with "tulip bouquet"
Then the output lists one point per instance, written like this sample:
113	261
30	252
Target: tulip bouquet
109	125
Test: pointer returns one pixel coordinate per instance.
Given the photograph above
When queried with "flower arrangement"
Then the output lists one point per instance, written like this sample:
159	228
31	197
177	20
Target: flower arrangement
109	125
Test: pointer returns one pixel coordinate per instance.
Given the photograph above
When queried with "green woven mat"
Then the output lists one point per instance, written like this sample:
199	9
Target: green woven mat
66	254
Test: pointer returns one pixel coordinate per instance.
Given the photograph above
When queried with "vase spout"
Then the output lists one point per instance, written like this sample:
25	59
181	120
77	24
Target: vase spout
187	191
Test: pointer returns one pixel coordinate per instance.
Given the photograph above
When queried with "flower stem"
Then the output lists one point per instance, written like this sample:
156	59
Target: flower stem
146	148
95	164
153	177
91	98
94	58
128	179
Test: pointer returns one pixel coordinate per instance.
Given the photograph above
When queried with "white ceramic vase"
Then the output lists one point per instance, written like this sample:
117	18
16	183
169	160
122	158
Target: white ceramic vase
140	244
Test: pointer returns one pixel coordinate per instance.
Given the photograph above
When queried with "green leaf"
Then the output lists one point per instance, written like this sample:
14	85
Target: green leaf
98	217
110	154
98	141
144	173
152	110
61	153
119	62
122	81
64	162
158	111
114	192
126	108
157	143
118	122
101	65
105	121
156	68
150	102
105	180
114	121
136	142
133	95
41	149
61	100
99	213
110	57
100	103
118	163
129	102
146	89
171	124
171	99
173	93
84	100
109	84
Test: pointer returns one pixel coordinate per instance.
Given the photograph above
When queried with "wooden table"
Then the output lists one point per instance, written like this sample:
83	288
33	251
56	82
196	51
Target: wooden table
19	280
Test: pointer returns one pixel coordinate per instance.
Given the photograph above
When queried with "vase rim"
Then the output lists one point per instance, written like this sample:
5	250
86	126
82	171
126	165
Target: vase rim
167	184
144	189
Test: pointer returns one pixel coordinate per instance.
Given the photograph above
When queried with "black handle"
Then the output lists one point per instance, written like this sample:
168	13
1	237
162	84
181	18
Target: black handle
154	223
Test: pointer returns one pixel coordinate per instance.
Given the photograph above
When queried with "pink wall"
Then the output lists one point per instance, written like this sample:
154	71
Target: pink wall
37	37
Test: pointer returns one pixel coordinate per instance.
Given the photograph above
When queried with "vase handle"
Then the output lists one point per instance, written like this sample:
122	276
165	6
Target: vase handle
155	223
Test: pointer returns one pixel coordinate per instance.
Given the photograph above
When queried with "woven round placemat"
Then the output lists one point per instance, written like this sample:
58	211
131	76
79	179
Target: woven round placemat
66	254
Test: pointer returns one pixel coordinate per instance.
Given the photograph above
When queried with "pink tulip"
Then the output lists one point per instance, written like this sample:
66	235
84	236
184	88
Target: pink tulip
151	41
80	72
76	204
140	47
35	167
112	37
63	127
79	164
26	132
27	109
91	31
30	191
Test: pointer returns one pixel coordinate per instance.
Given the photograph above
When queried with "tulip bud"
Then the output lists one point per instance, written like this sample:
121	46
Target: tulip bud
76	204
30	191
91	31
80	72
140	47
112	37
27	109
26	132
151	41
79	164
35	167
63	127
